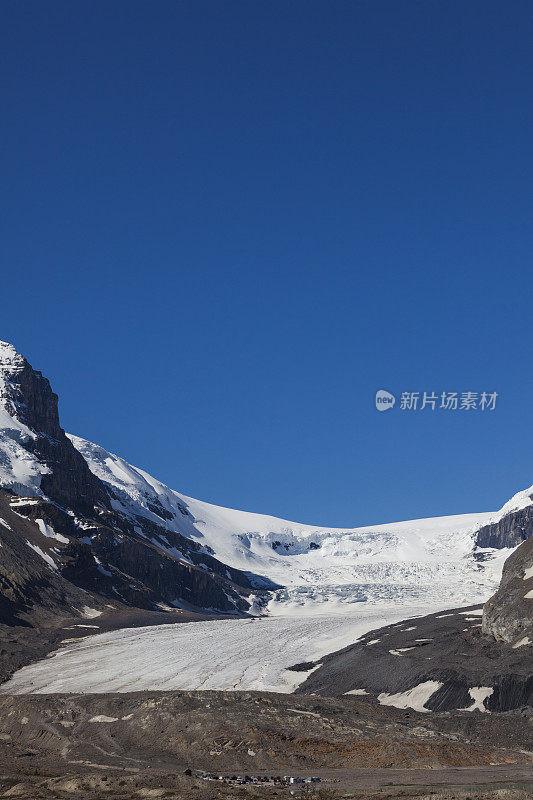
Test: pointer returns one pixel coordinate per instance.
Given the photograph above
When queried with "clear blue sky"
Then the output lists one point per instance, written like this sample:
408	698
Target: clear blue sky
227	224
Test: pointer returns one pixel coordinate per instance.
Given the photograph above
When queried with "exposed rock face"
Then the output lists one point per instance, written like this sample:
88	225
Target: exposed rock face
105	557
509	531
27	580
28	397
508	615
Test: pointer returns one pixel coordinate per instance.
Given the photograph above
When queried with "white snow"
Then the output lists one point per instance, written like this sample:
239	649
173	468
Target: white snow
19	470
23	502
85	626
522	642
323	570
45	556
103	718
529	595
528	573
478	694
4	523
49	532
519	501
357	691
243	654
413	698
90	613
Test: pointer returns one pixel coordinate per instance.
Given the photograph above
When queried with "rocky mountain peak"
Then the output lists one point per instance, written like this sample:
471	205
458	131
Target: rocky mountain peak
9	358
30	426
26	394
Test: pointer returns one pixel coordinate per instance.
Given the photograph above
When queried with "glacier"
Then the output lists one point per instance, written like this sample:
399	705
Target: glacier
318	569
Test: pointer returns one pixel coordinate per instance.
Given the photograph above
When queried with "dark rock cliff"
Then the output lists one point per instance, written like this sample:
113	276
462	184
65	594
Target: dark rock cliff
509	531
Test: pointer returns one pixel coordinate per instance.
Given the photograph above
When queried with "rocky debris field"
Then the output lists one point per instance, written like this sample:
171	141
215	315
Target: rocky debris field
129	745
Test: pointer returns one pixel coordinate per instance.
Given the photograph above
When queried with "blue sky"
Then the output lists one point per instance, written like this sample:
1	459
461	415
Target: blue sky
226	225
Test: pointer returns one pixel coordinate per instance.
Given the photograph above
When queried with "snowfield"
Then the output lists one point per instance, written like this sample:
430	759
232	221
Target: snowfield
248	654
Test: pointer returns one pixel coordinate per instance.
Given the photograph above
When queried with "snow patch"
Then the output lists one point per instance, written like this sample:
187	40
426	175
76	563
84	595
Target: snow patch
478	694
49	532
20	471
415	698
45	556
87	626
90	613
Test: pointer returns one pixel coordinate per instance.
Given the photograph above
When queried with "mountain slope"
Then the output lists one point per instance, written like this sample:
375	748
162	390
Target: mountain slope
63	521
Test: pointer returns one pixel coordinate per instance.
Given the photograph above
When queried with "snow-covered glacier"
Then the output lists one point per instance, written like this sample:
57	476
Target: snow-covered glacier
319	570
